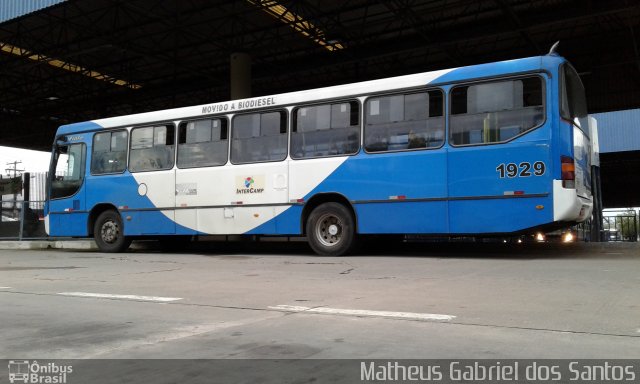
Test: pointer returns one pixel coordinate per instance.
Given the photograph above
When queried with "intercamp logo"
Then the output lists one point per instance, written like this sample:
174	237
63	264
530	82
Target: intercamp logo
24	371
249	184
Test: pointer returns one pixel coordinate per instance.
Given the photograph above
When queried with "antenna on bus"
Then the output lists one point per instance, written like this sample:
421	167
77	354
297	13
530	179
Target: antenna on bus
553	49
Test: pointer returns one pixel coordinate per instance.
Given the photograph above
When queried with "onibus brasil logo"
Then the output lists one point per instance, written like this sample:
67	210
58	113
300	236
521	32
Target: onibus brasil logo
31	372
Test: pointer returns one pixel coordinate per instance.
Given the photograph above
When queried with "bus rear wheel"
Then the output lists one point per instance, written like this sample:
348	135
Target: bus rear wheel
331	230
108	231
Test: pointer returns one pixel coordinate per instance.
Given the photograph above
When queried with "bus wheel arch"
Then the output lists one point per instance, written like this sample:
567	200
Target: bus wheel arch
95	212
329	221
107	229
321	198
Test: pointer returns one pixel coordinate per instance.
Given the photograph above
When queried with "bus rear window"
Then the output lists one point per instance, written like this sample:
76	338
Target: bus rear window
496	111
573	103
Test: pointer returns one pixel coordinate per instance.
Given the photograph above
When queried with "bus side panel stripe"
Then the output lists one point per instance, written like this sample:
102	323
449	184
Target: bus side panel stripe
122	190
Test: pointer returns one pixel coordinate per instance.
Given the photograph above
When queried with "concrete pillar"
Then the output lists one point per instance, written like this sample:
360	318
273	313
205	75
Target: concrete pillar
240	76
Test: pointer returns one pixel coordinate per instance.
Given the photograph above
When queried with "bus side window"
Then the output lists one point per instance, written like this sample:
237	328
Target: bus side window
152	148
495	111
202	143
109	153
259	137
404	122
325	130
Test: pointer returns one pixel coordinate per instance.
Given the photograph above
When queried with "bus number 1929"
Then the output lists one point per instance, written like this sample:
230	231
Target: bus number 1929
523	169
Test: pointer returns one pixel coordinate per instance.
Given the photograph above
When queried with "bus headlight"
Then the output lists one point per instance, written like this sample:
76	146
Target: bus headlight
567	237
540	236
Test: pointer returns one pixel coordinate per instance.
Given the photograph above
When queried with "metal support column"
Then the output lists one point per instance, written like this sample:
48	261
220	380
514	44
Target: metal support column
240	76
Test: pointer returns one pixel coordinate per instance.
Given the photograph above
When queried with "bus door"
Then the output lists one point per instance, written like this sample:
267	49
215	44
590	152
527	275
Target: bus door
66	213
203	147
499	161
150	207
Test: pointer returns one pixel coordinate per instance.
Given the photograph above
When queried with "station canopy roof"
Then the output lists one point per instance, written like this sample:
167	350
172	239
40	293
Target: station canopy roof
81	60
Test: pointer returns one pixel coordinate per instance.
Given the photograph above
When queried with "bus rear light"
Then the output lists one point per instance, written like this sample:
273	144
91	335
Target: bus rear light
568	237
568	174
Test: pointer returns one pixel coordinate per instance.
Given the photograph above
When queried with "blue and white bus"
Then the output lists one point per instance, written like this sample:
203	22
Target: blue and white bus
493	149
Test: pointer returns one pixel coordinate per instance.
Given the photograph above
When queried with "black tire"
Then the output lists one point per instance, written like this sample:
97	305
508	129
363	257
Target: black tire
108	231
331	230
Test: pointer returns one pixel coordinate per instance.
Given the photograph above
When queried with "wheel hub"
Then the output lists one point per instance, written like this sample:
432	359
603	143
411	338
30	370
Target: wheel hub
110	232
329	230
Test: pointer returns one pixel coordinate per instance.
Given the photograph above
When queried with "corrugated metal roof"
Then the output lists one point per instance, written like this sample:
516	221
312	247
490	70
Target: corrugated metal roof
619	131
10	9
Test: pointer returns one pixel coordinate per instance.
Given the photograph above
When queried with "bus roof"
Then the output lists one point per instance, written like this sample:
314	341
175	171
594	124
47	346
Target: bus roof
446	76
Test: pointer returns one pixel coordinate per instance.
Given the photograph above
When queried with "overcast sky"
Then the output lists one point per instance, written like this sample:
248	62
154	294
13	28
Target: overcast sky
32	161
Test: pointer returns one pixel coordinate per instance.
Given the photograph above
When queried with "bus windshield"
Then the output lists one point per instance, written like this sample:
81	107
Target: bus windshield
573	103
67	171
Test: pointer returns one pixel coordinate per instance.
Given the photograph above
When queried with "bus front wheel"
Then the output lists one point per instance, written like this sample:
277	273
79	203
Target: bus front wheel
331	230
108	232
